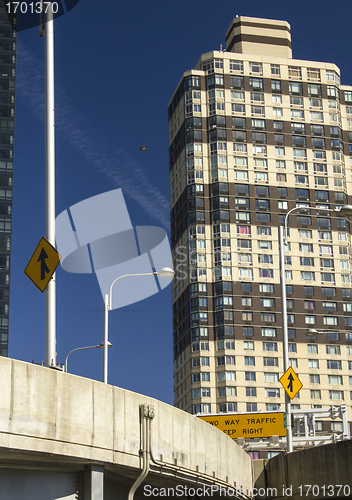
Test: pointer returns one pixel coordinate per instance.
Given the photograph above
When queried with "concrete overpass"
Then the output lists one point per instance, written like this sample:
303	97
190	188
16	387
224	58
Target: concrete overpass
66	437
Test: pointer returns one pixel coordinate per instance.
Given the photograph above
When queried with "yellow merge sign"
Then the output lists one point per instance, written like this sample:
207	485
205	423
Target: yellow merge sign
290	382
42	264
248	425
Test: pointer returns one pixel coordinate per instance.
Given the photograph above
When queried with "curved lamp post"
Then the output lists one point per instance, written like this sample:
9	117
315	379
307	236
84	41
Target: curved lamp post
100	346
165	272
345	211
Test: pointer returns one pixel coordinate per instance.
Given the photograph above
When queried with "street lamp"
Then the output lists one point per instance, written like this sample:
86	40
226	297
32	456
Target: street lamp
165	272
100	346
312	332
345	210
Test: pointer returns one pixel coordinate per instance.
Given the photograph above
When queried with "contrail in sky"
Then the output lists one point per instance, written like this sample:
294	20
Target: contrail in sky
117	165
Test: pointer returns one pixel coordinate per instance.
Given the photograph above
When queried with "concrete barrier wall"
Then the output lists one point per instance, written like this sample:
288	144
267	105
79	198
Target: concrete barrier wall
314	473
47	411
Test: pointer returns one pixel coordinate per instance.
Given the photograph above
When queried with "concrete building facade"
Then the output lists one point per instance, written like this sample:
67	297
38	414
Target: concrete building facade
254	133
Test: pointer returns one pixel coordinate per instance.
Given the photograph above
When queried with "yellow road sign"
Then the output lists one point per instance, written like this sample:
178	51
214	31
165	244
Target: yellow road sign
248	425
290	382
42	264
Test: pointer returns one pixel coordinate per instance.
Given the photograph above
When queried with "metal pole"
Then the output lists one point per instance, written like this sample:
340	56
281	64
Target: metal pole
285	334
105	340
50	182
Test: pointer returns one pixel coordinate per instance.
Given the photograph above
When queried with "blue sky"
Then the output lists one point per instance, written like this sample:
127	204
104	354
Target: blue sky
116	67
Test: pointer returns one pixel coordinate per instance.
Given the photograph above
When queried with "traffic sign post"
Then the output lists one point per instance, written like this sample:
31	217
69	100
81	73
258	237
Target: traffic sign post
291	383
42	264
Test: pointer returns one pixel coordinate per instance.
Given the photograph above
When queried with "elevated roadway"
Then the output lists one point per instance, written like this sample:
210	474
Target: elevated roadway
71	438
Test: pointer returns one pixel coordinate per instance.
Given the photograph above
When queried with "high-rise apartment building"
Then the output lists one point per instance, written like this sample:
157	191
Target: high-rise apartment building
254	133
8	42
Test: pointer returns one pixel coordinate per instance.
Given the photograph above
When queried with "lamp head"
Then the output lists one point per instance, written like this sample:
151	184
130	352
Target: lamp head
165	272
345	210
100	346
312	332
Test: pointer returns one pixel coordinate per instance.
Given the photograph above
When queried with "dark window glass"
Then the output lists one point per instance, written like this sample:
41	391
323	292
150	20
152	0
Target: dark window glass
282	191
246	287
238	122
237	82
276	85
242	189
261	190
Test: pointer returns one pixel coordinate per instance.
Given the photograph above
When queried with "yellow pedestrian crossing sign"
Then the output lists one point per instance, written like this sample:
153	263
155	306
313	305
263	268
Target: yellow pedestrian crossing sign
291	383
42	264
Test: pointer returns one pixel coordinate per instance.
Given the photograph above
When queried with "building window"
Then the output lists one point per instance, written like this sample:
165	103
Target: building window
267	288
250	407
295	88
246	301
336	395
269	346
307	275
250	376
248	331
267	302
335	379
272	392
201	408
310	319
236	66
313	363
251	391
201	393
291	333
295	72
315	394
268	317
249	360
270	361
333	364
226	376
272	407
275	85
256	84
312	349
330	320
271	377
256	67
294	363
248	346
247	316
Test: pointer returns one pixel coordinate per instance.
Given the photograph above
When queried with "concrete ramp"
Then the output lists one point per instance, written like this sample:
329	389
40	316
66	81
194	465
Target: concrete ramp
68	437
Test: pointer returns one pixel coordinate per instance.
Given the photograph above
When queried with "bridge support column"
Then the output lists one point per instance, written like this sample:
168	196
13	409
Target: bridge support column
93	487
